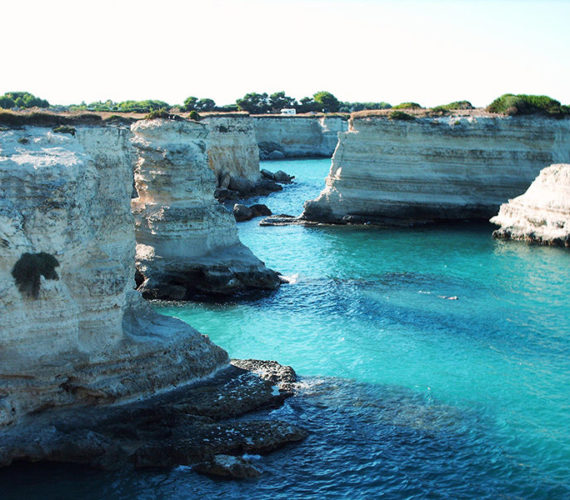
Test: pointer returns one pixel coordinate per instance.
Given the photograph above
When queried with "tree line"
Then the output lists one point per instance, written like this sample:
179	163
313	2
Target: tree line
263	103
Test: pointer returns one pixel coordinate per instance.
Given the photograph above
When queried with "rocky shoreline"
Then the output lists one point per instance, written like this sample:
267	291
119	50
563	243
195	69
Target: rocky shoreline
190	425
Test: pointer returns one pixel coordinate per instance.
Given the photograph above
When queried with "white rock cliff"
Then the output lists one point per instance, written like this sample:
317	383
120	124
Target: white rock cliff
233	154
542	213
435	169
72	329
298	136
187	243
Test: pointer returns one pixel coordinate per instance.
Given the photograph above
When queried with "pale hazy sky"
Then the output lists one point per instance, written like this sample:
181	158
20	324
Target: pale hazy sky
431	52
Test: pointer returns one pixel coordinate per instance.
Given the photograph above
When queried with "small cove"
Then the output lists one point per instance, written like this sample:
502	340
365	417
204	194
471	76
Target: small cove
407	392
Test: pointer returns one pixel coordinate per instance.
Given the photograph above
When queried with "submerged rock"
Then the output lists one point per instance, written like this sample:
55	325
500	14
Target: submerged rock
542	213
228	466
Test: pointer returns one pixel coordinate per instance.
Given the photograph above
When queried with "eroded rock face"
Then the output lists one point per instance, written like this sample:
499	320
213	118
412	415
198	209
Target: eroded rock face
232	150
281	137
542	213
435	169
187	243
73	331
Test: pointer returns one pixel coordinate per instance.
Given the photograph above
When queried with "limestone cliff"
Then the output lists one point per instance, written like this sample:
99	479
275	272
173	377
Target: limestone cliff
298	136
232	149
187	243
435	169
542	213
73	330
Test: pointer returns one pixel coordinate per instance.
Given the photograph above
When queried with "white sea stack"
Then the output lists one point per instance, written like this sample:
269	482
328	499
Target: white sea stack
542	213
72	329
187	243
435	169
298	136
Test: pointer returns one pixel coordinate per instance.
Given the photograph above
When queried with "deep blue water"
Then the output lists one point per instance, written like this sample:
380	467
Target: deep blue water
435	363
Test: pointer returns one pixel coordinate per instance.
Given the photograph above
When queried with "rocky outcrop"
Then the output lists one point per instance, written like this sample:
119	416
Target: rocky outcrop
244	213
435	168
73	330
542	213
187	243
200	424
298	136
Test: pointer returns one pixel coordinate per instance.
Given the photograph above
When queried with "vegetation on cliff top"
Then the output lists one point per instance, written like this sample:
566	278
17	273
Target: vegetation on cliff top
523	104
21	100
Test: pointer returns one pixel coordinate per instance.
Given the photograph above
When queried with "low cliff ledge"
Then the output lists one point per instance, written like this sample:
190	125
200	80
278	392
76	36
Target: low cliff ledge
542	213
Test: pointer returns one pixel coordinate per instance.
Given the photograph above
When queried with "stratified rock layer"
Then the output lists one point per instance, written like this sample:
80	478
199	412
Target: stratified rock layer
232	150
542	214
435	169
187	243
298	136
73	331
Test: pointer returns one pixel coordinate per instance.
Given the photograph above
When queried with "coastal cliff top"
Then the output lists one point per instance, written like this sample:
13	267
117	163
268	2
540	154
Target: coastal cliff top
424	113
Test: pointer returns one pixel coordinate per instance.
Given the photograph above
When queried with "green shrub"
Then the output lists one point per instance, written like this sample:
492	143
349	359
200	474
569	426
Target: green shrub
400	115
444	109
22	100
407	105
6	102
194	115
523	104
64	129
158	113
29	268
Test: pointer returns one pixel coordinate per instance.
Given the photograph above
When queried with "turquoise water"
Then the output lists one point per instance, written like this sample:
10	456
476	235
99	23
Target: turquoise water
434	361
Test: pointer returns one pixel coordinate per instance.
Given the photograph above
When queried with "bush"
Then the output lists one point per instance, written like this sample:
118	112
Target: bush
194	116
444	109
400	115
29	268
7	102
407	105
523	104
64	129
157	113
22	100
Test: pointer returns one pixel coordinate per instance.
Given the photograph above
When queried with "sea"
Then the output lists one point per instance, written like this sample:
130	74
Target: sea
433	362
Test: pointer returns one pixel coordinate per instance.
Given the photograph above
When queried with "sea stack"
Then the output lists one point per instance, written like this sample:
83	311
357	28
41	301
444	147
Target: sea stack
542	214
187	242
411	168
73	329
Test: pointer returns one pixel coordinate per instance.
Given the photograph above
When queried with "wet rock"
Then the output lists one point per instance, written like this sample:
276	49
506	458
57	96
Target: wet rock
186	426
276	155
283	177
267	174
228	466
259	209
242	213
225	181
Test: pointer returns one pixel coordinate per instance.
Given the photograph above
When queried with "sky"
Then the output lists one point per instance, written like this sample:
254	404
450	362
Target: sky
431	52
